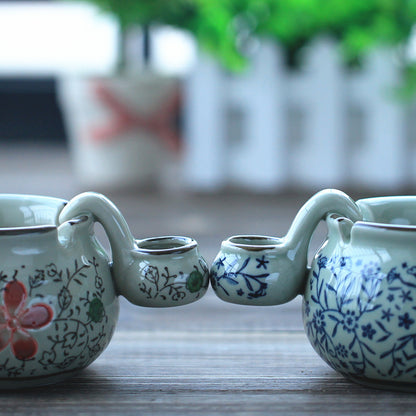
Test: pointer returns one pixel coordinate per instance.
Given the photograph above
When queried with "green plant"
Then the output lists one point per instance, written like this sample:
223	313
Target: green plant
145	13
226	27
357	24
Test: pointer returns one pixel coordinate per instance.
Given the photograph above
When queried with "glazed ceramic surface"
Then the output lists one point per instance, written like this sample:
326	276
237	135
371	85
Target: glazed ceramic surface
58	291
359	302
261	270
359	295
168	271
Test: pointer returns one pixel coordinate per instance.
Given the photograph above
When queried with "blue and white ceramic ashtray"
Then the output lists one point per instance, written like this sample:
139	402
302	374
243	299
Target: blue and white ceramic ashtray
359	295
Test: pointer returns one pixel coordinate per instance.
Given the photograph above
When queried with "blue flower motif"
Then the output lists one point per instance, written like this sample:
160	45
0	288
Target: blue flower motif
405	296
392	275
341	351
262	263
366	314
322	262
405	320
349	323
387	314
368	331
319	321
220	263
370	272
240	292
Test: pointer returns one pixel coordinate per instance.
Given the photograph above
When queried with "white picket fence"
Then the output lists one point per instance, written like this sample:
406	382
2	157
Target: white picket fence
271	129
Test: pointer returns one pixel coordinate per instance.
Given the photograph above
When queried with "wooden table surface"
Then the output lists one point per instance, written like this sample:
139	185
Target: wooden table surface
206	358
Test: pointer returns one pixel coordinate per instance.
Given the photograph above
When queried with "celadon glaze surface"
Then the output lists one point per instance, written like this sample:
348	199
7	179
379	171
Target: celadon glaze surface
58	304
166	271
147	272
59	291
359	302
261	270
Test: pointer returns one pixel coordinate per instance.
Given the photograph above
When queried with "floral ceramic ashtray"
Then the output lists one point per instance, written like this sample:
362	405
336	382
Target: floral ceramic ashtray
59	291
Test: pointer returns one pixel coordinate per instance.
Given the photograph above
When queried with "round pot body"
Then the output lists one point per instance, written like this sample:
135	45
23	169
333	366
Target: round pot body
359	306
58	306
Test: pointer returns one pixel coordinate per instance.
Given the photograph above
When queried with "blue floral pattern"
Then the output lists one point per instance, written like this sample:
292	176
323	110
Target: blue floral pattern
245	278
361	319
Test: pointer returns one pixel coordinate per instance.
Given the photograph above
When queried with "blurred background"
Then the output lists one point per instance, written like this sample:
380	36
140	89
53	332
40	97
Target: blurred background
255	96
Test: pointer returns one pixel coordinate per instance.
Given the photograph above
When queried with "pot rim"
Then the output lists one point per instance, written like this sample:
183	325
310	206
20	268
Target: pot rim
32	229
160	245
264	242
375	225
18	202
386	226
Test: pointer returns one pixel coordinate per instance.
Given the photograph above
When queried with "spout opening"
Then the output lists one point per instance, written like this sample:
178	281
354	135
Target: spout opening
253	242
165	245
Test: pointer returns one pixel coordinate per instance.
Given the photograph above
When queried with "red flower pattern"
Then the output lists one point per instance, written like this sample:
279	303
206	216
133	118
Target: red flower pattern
16	319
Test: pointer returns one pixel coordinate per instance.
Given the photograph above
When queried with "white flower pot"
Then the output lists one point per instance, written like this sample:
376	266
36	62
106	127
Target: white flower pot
120	129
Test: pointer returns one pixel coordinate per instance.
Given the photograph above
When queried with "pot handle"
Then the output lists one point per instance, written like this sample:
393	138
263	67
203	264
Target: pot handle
107	214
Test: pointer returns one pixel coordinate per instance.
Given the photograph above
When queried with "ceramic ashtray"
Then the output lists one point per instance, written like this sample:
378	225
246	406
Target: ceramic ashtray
359	295
59	290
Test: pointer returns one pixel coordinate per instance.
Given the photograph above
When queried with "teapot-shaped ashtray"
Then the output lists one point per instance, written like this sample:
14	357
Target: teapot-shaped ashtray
59	291
359	295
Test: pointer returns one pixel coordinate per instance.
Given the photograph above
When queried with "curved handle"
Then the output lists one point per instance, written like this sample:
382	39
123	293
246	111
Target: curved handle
163	271
317	208
327	201
108	215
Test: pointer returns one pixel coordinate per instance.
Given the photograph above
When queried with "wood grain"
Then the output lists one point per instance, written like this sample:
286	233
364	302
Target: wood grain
190	372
